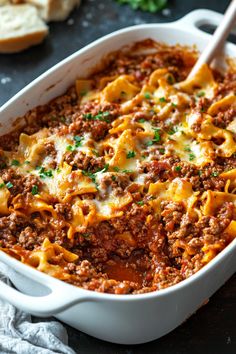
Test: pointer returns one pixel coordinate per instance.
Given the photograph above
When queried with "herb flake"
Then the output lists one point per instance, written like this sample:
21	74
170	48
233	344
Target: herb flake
34	190
162	99
9	185
142	120
15	163
130	154
147	95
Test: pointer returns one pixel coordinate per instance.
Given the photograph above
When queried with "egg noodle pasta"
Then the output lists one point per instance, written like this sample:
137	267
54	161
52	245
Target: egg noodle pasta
126	183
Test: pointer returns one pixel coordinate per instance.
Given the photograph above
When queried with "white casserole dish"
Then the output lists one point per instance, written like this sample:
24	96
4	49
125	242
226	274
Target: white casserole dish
126	319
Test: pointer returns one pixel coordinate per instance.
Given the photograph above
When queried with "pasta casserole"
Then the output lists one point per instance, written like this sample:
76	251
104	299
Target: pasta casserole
126	183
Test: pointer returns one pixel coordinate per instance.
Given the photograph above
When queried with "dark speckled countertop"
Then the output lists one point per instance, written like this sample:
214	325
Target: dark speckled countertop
212	330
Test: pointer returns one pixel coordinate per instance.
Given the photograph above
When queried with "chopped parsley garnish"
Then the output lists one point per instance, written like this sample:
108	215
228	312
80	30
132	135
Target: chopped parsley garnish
100	116
127	171
170	79
27	162
130	154
173	104
90	175
87	234
43	173
142	120
178	168
162	151
149	143
83	93
199	172
2	164
95	152
2	185
215	174
15	163
147	95
105	168
34	190
141	202
78	140
9	185
70	148
172	130
116	169
87	116
157	136
191	156
162	99
200	94
113	178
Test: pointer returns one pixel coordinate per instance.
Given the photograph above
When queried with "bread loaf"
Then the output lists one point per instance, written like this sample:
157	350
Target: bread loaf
20	28
54	10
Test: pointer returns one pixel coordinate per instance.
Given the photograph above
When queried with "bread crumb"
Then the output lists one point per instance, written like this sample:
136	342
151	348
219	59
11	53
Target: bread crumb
166	12
5	80
70	22
85	23
138	21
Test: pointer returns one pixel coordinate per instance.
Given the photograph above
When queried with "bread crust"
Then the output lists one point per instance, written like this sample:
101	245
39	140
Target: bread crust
55	10
18	44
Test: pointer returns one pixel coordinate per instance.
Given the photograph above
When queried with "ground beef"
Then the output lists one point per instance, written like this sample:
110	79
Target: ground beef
27	238
97	128
9	142
226	86
158	170
149	245
223	118
79	160
21	184
87	120
10	228
111	181
172	213
64	210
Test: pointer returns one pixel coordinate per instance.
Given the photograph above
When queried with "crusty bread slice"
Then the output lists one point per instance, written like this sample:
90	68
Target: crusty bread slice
54	10
20	28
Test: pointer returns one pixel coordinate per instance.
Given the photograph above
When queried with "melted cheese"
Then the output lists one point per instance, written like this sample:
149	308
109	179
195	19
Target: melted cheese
130	144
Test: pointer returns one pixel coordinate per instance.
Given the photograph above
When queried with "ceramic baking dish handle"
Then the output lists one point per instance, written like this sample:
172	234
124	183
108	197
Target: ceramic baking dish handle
59	299
198	18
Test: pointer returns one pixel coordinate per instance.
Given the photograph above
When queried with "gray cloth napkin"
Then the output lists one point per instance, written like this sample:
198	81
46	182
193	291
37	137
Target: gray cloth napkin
19	335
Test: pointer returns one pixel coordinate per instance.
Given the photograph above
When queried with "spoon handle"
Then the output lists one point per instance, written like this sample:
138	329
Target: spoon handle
218	38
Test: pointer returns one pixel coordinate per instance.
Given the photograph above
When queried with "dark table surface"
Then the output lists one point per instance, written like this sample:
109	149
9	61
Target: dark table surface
212	329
